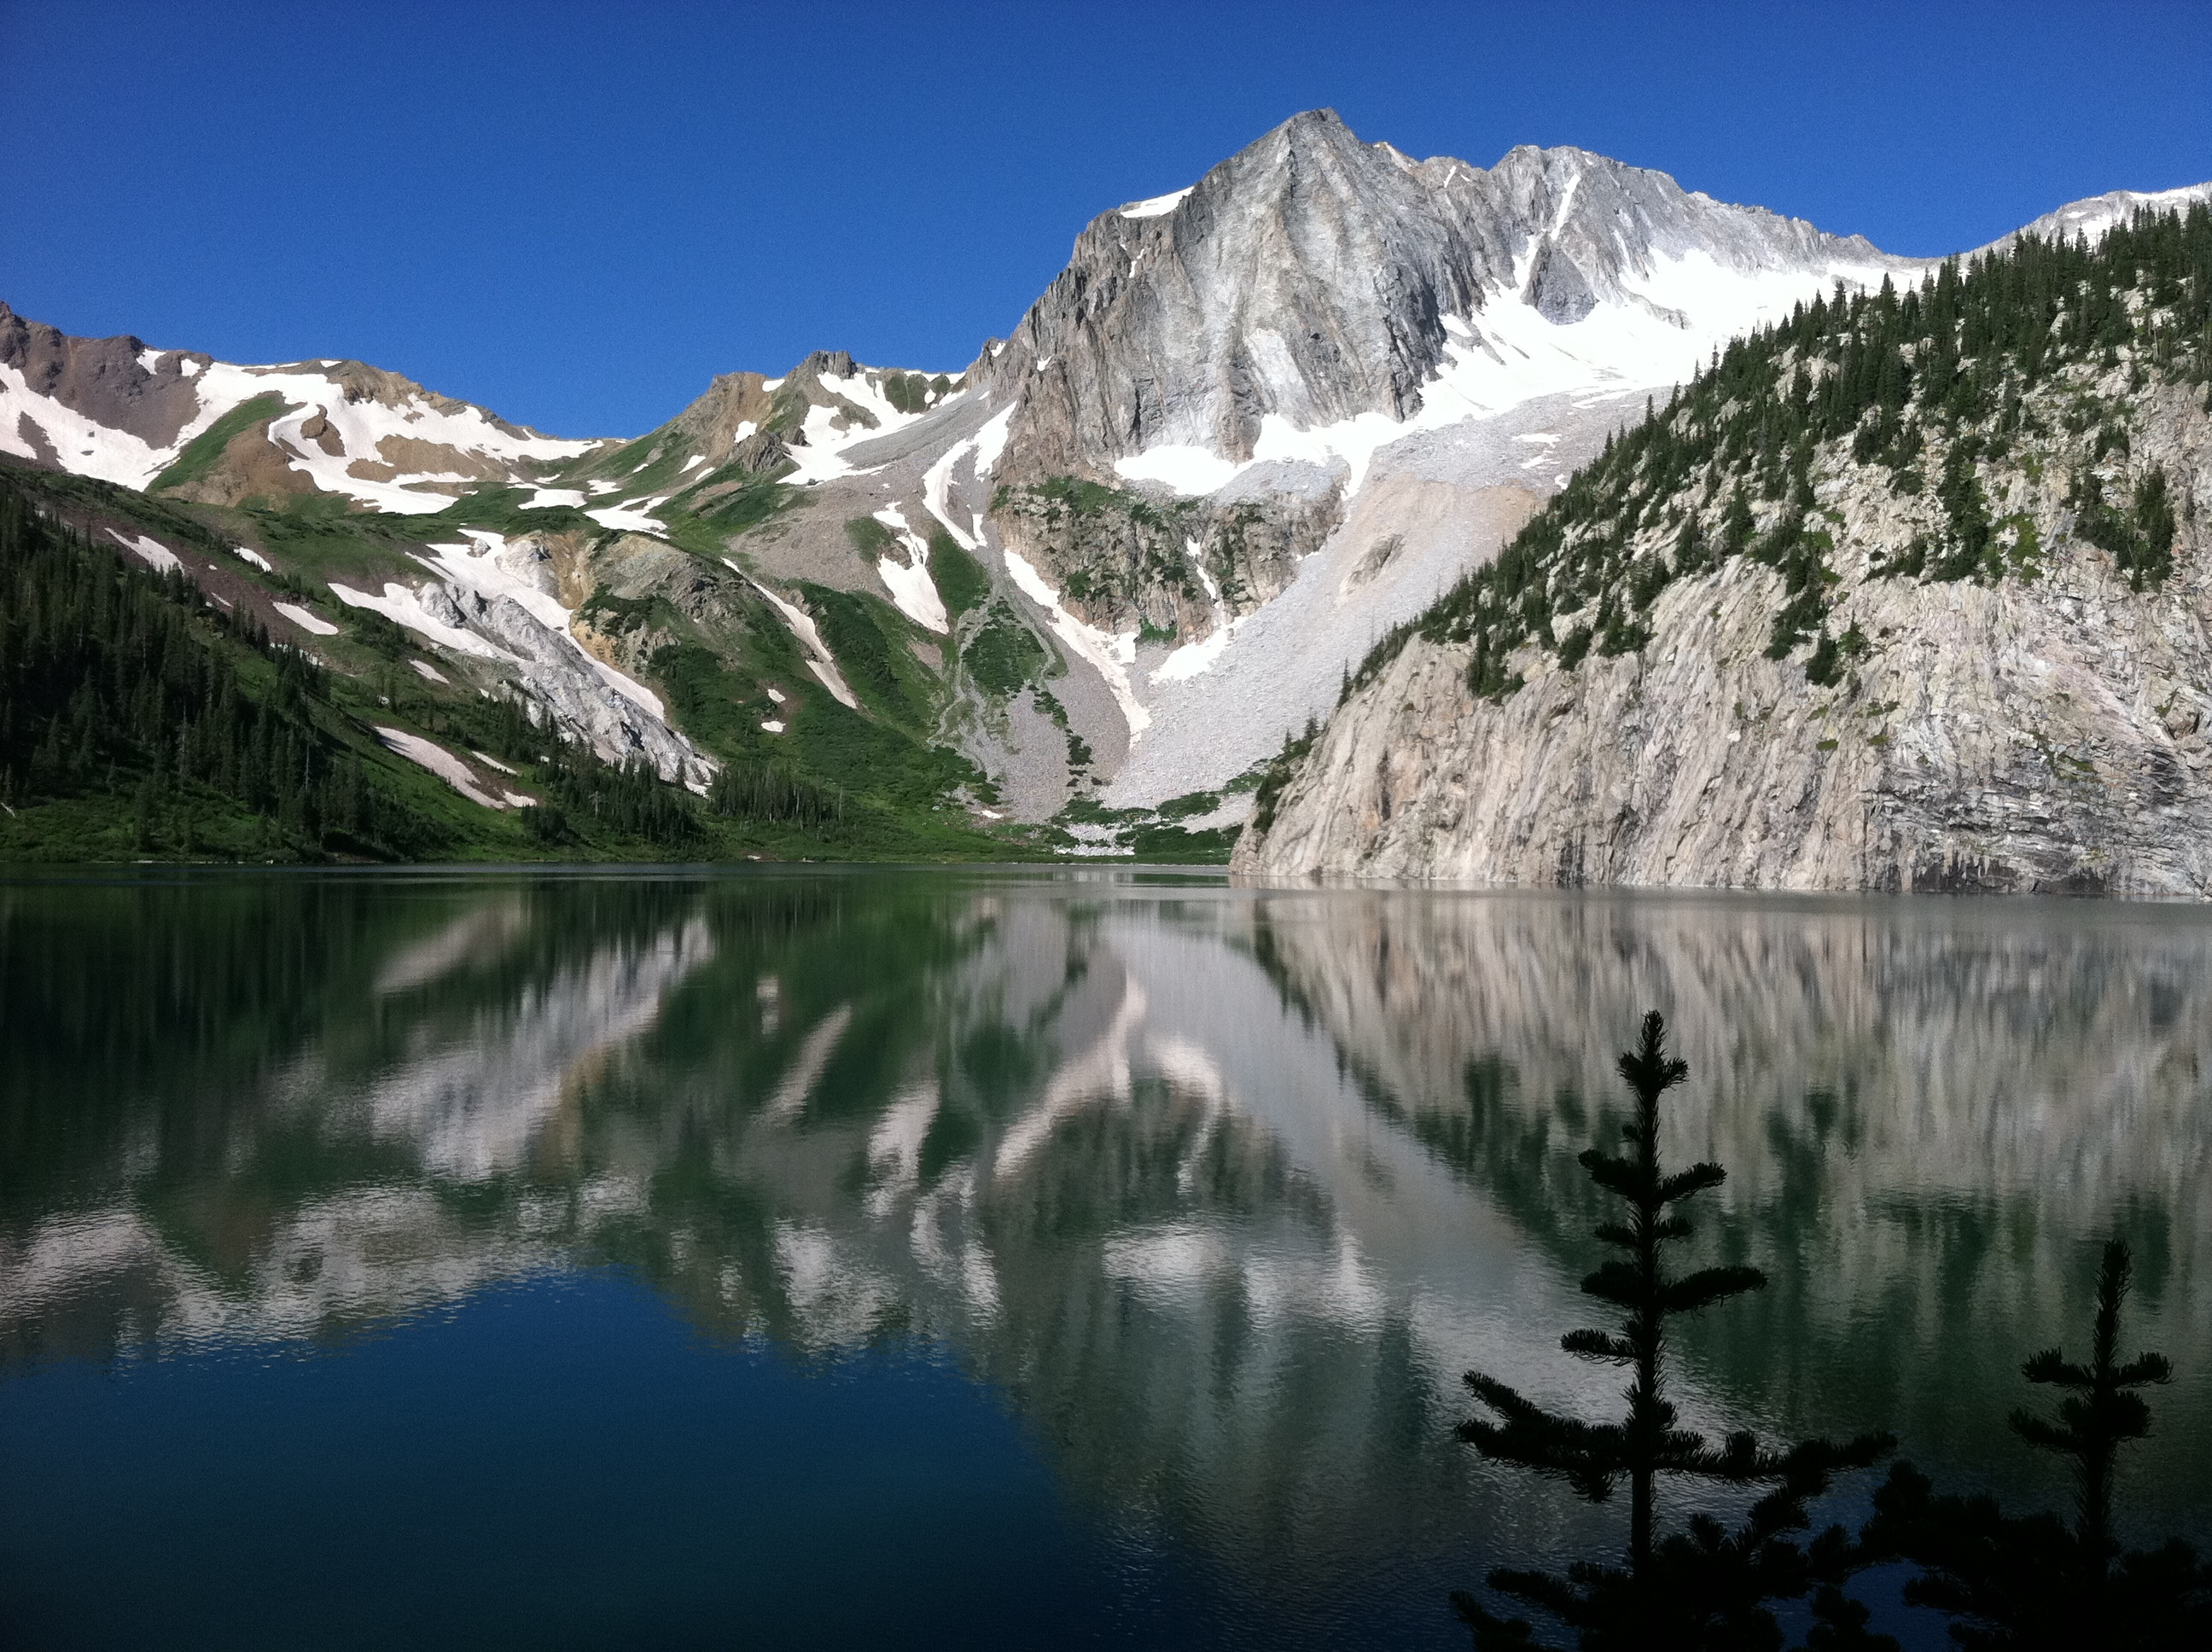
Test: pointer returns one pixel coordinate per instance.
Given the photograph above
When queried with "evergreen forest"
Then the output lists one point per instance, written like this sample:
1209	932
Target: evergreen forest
2035	354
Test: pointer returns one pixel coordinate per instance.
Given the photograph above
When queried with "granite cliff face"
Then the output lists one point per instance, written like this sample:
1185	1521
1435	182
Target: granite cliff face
1313	280
1978	658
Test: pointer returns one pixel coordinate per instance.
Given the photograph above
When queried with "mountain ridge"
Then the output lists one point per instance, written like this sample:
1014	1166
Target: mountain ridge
1107	569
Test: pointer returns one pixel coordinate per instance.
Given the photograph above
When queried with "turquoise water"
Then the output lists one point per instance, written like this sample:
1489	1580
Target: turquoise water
820	1258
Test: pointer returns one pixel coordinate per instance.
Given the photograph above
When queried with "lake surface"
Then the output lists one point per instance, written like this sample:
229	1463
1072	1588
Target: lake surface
809	1258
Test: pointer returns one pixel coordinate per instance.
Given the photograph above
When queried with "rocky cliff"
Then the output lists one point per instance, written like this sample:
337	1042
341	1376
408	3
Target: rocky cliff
1912	593
1312	279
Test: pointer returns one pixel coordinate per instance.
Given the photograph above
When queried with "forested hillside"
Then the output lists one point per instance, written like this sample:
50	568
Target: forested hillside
142	717
1906	591
120	683
1938	386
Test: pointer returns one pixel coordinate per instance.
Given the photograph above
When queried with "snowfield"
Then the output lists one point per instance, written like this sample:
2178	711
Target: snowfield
441	762
1507	353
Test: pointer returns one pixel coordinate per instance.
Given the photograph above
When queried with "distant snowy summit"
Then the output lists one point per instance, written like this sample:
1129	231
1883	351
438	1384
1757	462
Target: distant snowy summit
126	413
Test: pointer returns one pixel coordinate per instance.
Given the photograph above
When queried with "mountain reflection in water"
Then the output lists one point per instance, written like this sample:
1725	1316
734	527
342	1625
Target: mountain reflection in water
1222	1188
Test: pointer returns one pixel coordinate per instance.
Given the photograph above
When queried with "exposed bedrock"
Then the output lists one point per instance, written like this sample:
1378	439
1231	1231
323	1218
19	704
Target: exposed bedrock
107	380
2046	733
1308	277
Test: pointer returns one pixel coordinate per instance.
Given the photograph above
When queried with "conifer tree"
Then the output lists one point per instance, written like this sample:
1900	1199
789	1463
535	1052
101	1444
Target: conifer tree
2035	1583
1707	1587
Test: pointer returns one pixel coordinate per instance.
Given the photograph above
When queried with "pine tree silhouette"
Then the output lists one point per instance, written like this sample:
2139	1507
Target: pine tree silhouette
1706	1587
2030	1583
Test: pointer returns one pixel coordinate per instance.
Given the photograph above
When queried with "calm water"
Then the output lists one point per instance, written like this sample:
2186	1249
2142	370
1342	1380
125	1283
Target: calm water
998	1260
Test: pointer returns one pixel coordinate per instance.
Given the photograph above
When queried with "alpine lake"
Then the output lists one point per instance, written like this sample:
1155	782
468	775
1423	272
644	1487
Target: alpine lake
808	1257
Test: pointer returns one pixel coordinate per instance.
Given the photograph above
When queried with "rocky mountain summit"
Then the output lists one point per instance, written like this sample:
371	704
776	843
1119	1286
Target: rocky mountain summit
1313	280
1306	390
1908	593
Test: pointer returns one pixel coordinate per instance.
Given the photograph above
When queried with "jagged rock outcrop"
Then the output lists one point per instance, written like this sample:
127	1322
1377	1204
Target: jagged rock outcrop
753	420
1308	279
1320	320
109	381
1182	568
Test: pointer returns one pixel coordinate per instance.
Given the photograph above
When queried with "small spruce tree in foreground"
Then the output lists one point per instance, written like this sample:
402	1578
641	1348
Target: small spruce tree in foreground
2027	1584
1707	1587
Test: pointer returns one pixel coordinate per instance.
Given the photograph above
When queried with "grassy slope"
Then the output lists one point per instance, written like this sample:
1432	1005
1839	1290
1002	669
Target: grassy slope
898	785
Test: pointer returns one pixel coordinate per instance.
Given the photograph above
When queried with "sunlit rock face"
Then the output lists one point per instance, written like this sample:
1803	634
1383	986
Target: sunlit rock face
1313	280
2042	734
1222	1189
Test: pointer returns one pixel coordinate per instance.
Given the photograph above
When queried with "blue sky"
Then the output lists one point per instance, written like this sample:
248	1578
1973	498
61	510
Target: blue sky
576	214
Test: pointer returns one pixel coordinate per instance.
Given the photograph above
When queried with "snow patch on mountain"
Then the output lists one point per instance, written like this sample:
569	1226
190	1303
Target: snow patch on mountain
83	446
819	660
1506	353
630	519
429	755
363	428
1159	206
985	448
402	606
307	619
1110	655
150	551
818	450
359	425
912	590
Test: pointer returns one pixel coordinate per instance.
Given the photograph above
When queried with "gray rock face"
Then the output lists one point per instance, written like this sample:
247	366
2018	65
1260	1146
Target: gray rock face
2041	734
1309	278
556	675
1182	569
1310	282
